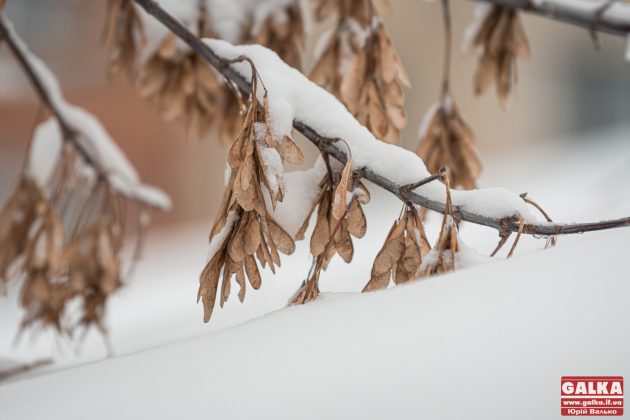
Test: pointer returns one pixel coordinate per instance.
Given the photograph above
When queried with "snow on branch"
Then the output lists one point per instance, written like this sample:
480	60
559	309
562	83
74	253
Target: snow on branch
86	134
604	16
322	119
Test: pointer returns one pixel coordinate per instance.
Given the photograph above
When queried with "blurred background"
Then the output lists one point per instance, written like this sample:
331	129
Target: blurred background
564	139
566	87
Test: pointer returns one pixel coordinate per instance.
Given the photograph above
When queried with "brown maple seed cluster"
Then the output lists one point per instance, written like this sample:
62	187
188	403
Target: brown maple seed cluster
501	38
244	230
448	141
65	243
401	256
361	66
337	221
182	84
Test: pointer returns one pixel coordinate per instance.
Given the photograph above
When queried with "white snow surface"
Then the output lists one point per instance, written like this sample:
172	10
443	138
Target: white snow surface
92	137
320	110
472	345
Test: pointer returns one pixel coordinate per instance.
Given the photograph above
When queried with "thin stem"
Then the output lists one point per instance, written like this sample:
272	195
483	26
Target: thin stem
324	144
448	41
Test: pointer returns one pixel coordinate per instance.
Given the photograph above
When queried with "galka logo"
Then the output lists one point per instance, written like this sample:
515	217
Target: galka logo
591	395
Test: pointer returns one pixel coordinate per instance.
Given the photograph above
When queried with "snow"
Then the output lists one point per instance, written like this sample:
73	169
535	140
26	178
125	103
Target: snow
91	135
217	240
302	187
320	110
441	348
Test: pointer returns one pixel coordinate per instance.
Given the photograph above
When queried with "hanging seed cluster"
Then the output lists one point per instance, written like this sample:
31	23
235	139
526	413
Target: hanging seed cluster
449	141
244	231
65	241
179	82
402	254
361	66
124	35
338	219
501	39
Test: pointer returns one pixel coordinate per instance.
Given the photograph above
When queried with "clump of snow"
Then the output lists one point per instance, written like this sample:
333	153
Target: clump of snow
217	240
273	168
90	135
302	189
319	109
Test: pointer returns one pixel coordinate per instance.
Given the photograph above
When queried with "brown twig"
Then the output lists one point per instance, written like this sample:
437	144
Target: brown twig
505	224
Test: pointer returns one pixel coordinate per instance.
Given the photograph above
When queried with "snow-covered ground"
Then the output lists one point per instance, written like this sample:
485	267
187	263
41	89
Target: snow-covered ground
486	342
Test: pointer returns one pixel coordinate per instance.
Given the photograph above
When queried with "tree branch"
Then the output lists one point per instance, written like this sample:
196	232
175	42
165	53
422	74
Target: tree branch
586	14
16	45
502	225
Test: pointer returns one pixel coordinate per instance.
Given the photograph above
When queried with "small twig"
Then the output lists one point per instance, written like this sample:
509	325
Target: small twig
438	175
21	369
521	225
505	235
448	35
599	13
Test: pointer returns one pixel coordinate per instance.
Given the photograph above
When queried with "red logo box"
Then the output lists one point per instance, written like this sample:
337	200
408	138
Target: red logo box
591	395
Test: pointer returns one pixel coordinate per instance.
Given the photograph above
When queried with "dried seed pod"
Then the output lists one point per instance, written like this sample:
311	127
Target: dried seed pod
282	32
403	252
244	230
447	140
337	221
25	205
442	257
501	39
361	67
124	36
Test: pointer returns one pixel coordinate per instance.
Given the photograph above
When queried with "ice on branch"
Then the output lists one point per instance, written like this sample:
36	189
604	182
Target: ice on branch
320	110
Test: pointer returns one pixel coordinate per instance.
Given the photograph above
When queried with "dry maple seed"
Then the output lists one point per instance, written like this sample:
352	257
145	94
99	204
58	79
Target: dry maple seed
361	67
448	141
501	39
244	231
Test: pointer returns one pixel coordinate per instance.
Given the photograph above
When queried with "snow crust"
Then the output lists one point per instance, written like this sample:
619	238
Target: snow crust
91	135
320	110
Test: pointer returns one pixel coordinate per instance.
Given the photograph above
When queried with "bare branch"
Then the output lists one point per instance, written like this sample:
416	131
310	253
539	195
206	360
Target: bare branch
587	14
325	145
